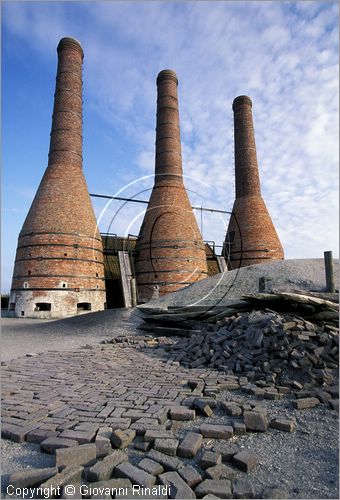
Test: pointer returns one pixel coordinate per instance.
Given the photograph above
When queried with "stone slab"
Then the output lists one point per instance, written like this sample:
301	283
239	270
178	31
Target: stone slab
84	454
190	445
220	488
178	487
216	431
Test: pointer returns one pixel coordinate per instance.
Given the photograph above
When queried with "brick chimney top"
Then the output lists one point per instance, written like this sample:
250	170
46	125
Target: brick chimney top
166	74
68	42
242	100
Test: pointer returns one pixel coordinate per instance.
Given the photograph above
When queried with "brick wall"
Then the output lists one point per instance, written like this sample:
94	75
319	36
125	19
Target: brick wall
59	257
253	233
171	253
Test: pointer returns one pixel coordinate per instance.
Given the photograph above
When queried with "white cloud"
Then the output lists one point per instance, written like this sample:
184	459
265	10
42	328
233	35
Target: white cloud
284	55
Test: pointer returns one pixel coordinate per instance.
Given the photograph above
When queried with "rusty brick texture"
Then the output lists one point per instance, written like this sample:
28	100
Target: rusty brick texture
170	250
59	267
251	236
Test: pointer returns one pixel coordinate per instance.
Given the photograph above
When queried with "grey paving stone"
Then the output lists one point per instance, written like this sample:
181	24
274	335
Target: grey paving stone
82	437
49	445
38	435
221	471
70	475
135	474
255	421
242	488
178	487
167	446
122	439
31	477
142	445
16	433
227	451
103	446
190	445
66	494
84	454
303	403
216	431
118	423
151	435
220	488
203	407
245	460
102	470
182	413
150	466
209	459
190	475
232	409
283	424
169	463
239	428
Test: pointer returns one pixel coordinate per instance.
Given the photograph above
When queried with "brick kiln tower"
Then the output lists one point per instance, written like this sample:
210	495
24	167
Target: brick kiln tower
59	267
170	250
251	236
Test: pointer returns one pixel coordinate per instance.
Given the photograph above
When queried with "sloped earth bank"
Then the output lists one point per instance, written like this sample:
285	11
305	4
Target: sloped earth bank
223	289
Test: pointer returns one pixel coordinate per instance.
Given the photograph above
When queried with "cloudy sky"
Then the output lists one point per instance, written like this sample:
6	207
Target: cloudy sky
284	55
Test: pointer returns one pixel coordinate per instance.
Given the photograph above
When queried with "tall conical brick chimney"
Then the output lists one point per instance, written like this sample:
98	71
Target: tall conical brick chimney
251	236
170	250
59	261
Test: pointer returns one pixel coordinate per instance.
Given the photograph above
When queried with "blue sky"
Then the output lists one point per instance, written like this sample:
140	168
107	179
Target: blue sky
284	55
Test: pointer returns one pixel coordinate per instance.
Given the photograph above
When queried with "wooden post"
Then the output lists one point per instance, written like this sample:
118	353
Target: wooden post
329	270
133	292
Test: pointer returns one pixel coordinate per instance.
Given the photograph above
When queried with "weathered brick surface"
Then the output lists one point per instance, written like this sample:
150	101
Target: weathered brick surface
59	257
254	233
84	454
171	253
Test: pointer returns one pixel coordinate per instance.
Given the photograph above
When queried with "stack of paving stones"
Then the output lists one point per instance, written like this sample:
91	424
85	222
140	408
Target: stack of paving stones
264	346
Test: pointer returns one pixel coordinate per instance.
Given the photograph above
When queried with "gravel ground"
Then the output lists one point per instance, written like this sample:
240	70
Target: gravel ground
224	288
22	336
303	463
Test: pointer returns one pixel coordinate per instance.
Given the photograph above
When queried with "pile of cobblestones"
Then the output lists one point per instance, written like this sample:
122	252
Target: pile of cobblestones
264	345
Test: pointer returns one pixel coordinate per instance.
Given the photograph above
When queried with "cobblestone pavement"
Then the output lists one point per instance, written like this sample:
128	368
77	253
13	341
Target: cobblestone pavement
131	384
103	384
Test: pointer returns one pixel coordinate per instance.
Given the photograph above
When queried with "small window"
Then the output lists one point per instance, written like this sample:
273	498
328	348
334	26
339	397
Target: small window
84	306
22	313
25	284
156	275
97	275
65	254
97	286
29	273
42	306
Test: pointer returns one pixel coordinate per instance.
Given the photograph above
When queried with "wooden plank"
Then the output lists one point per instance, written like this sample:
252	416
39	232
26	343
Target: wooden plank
126	276
221	262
